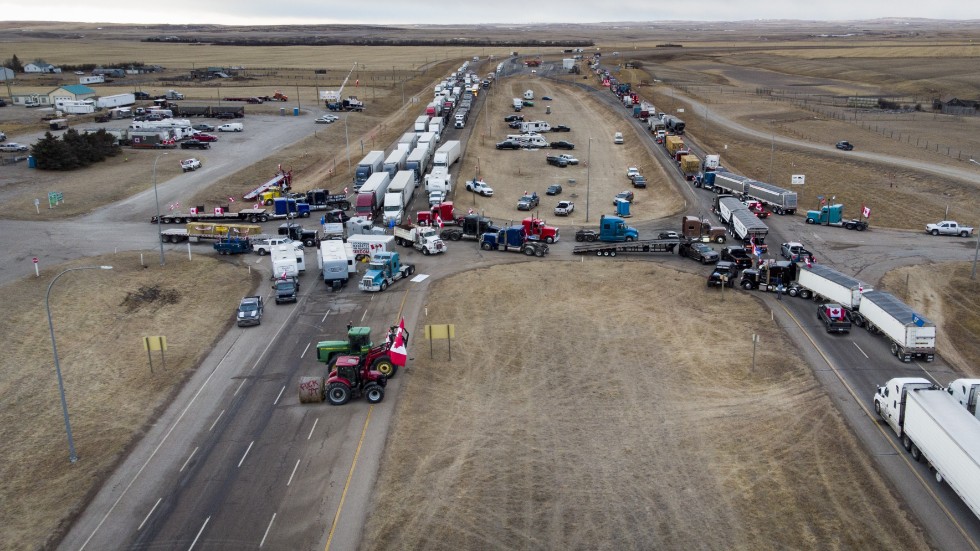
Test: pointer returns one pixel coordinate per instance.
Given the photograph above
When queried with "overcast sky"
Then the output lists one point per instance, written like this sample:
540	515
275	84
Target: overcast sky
267	12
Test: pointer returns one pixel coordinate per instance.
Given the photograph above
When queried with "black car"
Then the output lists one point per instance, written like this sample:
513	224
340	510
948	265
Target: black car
507	144
514	124
724	274
737	256
512	118
557	161
698	251
546	98
562	145
560	128
195	144
554	189
845	145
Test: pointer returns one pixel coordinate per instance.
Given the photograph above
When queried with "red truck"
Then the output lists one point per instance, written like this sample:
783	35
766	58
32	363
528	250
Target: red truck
536	229
443	211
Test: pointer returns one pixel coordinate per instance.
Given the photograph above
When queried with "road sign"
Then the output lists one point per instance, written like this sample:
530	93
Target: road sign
55	197
34	260
798	179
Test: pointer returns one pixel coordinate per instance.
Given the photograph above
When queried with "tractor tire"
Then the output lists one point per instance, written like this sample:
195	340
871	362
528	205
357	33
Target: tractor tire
253	219
540	253
805	294
612	252
374	393
455	236
580	238
878	408
338	394
906	442
720	239
747	286
385	366
862	227
411	270
916	453
261	252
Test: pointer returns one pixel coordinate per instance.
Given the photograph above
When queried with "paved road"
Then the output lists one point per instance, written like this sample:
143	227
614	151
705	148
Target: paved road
237	462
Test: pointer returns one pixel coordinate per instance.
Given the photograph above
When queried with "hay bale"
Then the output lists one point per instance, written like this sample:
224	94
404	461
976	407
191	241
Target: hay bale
310	390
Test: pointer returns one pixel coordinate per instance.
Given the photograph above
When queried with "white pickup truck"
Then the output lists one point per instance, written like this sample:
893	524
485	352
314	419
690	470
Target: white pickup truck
949	227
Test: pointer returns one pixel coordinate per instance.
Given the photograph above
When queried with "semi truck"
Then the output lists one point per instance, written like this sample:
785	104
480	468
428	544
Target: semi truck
513	239
335	265
408	141
322	199
418	160
371	163
747	227
612	229
399	197
771	275
447	154
933	427
471	226
439	179
370	198
422	123
700	229
728	182
781	201
833	215
673	144
966	393
117	100
725	206
395	161
385	268
538	230
208	231
422	238
216	214
824	283
690	165
674	124
911	334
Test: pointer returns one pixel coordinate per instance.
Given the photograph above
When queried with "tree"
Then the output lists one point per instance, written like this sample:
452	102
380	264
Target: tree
14	64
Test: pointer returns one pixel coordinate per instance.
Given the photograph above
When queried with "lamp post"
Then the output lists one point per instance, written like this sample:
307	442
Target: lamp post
347	139
72	456
156	197
588	179
976	252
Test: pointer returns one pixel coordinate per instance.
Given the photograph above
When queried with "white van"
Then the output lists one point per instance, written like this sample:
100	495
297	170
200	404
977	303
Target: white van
231	127
618	138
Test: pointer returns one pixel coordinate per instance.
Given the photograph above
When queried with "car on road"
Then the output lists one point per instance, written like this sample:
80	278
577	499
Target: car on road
626	195
553	189
512	118
203	127
13	147
564	208
188	165
560	128
195	144
562	144
698	251
202	137
479	186
618	138
508	144
845	145
569	158
556	161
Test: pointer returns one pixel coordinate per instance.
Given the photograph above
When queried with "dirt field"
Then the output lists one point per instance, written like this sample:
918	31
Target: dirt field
639	439
99	320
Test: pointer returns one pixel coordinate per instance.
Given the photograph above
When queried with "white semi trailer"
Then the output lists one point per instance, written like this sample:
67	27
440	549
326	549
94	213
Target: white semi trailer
911	334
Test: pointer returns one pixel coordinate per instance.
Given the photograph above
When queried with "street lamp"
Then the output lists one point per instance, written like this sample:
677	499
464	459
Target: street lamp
347	139
588	179
156	197
72	456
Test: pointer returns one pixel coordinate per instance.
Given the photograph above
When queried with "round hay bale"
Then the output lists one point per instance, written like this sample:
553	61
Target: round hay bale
310	390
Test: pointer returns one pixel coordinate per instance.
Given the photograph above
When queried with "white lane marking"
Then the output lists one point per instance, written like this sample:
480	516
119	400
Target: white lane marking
267	528
292	474
315	421
147	517
859	349
193	543
301	356
242	460
324	318
283	389
182	467
240	385
216	420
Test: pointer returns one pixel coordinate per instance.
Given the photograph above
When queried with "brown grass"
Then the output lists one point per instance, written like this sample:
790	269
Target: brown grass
110	390
639	439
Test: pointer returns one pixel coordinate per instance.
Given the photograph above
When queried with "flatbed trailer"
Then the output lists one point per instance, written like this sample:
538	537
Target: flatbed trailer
612	249
282	180
249	215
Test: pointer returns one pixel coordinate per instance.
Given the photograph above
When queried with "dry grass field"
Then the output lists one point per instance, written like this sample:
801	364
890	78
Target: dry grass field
99	318
505	452
591	420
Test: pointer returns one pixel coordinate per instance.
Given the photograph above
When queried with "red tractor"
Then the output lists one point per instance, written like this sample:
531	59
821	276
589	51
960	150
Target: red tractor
353	377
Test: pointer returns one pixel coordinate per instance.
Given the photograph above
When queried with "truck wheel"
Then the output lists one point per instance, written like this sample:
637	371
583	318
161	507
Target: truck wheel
598	253
455	236
529	251
895	350
253	219
373	393
809	220
579	238
804	293
539	253
793	292
878	408
485	246
629	238
906	442
384	285
590	238
720	239
385	366
309	243
306	215
964	234
549	240
747	285
338	394
934	232
916	453
261	252
268	202
411	270
612	253
861	227
425	252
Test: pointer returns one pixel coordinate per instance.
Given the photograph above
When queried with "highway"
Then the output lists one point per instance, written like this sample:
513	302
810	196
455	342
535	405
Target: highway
237	462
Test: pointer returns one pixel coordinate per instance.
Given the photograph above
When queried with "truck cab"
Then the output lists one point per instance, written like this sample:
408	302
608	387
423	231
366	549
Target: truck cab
614	229
890	399
965	391
537	229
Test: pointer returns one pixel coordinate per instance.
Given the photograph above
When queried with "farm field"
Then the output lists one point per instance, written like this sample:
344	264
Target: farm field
539	468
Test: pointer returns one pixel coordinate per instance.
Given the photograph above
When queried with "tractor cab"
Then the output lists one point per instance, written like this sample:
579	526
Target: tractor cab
346	367
358	342
359	338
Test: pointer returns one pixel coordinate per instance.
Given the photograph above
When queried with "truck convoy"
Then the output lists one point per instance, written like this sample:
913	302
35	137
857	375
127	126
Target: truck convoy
372	163
833	215
385	268
447	154
398	197
911	334
423	238
370	198
824	283
513	239
471	226
933	427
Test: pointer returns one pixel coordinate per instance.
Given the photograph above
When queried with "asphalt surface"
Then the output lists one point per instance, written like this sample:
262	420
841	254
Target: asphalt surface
237	462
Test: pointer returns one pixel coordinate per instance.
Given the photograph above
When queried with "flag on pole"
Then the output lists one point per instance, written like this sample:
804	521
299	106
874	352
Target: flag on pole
284	274
398	353
469	211
439	221
346	191
231	199
809	261
866	211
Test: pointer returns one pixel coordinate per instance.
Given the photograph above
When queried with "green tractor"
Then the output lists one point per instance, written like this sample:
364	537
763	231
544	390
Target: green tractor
359	344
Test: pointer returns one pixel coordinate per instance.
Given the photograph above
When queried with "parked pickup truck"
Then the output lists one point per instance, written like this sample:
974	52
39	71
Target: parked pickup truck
286	289
528	202
949	227
834	318
557	161
250	311
233	245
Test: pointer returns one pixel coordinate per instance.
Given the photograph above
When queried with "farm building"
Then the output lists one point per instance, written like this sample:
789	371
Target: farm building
41	67
6	74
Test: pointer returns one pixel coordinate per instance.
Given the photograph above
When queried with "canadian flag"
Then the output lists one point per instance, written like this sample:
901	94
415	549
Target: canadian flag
231	199
866	211
346	191
469	211
284	274
834	313
439	220
809	261
398	353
